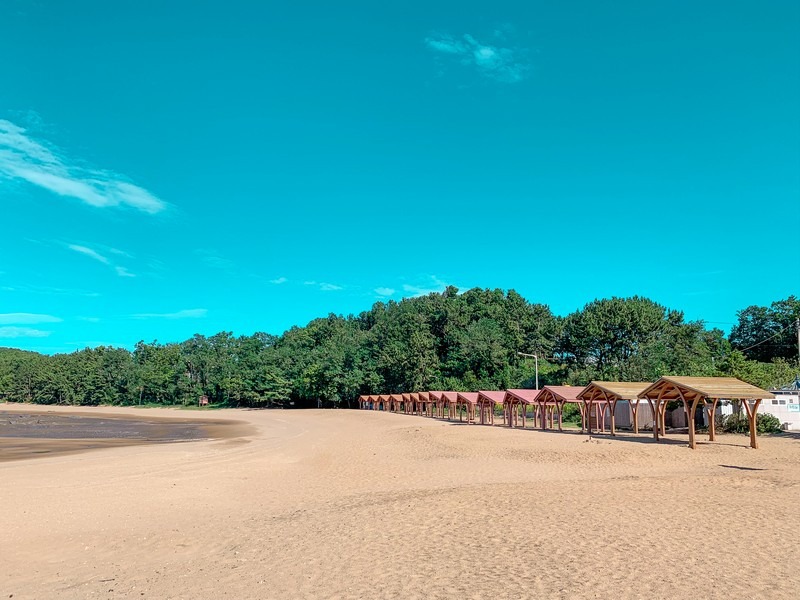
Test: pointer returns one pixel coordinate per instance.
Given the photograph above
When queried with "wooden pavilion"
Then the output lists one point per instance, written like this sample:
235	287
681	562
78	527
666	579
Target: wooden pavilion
424	404
406	403
469	400
395	402
380	402
437	399
551	401
607	394
450	404
487	400
693	391
515	399
413	399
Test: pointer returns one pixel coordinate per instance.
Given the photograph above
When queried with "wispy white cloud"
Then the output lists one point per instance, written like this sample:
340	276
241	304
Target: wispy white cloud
43	165
325	287
495	62
90	253
433	285
27	319
191	313
279	280
101	258
22	332
123	272
89	319
384	291
330	287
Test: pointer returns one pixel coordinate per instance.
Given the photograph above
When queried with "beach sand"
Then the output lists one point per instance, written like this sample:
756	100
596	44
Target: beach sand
348	504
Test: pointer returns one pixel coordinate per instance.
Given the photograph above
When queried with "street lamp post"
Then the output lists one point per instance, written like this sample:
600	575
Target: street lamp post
536	357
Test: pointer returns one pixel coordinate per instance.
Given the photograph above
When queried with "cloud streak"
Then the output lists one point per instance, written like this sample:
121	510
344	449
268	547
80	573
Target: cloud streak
22	332
434	285
27	319
191	313
24	158
494	62
325	287
101	258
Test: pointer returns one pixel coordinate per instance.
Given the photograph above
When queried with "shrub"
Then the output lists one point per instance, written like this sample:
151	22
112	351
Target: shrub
738	423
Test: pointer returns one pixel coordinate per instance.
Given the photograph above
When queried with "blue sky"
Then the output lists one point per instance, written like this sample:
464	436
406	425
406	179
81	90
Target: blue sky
176	167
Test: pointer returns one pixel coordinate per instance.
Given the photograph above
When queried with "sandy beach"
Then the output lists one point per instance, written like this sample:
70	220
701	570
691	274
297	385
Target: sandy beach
348	504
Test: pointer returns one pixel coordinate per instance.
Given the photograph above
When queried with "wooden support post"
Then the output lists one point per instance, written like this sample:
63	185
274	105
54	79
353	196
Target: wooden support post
582	408
751	419
663	419
542	415
712	413
612	407
655	409
634	406
589	416
690	411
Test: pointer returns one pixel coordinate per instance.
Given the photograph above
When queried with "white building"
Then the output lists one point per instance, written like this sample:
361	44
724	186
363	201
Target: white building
785	406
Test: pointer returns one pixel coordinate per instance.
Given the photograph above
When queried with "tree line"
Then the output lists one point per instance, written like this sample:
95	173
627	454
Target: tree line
449	340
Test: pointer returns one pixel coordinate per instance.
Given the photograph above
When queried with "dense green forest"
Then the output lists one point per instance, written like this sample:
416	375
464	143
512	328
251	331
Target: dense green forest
452	340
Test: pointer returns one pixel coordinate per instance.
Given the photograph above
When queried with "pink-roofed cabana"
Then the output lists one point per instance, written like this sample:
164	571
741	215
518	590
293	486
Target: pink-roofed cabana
413	398
705	391
487	400
607	394
551	401
380	402
424	402
469	400
450	402
515	399
406	403
395	402
437	399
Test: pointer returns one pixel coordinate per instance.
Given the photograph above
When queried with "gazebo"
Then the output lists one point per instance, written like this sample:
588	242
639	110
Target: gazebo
406	403
487	400
553	398
608	393
516	398
395	401
437	404
468	400
706	390
380	402
413	398
449	402
424	402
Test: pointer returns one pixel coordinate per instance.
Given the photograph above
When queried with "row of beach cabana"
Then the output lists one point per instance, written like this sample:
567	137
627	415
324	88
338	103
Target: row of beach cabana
596	401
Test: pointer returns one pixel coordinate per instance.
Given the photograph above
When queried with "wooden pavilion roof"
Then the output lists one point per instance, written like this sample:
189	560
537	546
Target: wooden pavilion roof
450	396
492	396
435	395
424	396
521	395
397	397
384	397
414	396
729	388
406	397
613	390
469	397
560	393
